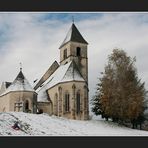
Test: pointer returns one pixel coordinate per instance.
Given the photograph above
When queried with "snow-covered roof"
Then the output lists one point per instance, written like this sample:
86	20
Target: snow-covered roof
4	86
19	84
46	75
64	73
73	35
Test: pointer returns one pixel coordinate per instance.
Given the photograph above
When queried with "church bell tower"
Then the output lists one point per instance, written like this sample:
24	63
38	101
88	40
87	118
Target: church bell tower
74	48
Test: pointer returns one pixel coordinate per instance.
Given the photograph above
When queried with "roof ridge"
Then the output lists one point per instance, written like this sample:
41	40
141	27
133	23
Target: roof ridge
47	82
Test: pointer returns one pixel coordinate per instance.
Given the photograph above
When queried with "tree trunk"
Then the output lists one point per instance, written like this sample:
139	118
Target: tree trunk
133	125
140	126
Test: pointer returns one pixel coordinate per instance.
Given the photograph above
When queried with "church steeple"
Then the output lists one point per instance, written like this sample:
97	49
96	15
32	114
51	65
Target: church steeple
73	35
74	48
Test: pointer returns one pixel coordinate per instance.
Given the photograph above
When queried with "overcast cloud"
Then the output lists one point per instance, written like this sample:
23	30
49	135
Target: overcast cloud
34	39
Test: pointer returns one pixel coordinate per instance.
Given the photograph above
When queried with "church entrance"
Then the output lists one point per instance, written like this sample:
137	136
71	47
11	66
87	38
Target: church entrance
26	106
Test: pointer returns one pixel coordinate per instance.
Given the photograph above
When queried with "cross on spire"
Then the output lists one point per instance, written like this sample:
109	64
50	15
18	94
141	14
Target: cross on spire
20	66
73	19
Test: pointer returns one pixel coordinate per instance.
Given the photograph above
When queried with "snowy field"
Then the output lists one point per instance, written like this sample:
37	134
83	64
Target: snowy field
44	125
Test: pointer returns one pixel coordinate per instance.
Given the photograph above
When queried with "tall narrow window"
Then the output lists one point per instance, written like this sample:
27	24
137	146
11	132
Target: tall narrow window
56	104
78	51
78	102
67	108
65	54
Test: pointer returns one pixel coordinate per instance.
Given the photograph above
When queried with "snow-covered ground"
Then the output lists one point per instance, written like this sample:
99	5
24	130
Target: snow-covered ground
44	125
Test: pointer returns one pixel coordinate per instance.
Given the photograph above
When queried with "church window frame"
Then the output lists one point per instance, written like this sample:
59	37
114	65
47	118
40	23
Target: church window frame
65	54
56	104
78	102
26	105
78	51
67	102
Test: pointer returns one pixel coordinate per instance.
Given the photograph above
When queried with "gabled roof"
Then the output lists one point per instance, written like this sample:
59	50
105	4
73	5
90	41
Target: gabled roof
73	35
46	75
72	73
19	84
8	84
65	73
4	86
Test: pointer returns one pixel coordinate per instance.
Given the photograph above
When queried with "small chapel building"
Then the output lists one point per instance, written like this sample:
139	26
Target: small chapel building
18	95
62	90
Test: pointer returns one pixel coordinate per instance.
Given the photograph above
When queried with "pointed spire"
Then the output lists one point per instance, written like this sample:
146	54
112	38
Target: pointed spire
20	76
73	35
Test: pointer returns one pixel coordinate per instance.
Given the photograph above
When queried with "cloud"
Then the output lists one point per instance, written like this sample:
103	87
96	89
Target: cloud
34	39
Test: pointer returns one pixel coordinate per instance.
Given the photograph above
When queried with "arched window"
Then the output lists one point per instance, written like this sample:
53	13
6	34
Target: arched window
65	54
78	102
26	105
67	107
78	51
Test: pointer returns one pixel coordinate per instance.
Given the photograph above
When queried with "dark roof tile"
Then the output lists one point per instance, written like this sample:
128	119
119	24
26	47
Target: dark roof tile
73	35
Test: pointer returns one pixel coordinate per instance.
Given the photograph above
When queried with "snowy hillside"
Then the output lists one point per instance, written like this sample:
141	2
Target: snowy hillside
44	125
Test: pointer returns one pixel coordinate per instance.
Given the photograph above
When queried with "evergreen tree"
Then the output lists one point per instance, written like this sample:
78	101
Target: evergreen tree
96	102
120	95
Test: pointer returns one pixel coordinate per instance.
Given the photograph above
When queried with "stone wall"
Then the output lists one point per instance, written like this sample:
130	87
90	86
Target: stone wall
15	101
72	88
4	103
45	107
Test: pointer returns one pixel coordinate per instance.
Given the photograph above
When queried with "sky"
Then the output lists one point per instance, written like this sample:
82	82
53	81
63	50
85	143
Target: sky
34	40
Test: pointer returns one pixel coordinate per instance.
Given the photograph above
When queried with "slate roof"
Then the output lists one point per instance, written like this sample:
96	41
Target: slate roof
73	35
8	84
19	84
65	73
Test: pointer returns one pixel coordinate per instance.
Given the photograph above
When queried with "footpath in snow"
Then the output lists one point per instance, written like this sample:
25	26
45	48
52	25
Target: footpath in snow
44	125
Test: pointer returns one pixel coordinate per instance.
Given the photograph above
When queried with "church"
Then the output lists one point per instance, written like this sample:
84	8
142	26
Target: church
63	89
